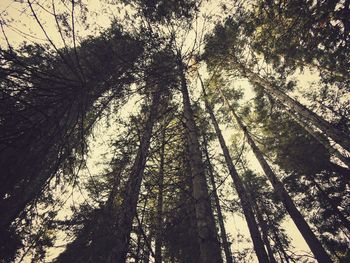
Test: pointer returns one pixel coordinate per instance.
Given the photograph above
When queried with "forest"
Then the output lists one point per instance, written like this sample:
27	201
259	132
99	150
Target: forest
175	131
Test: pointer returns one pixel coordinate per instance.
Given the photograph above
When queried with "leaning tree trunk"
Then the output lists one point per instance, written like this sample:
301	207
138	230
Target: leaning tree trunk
159	226
279	243
265	235
327	128
40	157
244	199
208	242
141	238
310	238
225	243
127	210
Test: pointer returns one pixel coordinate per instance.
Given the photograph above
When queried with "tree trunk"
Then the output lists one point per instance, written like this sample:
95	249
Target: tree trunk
279	243
225	243
265	234
127	210
140	245
27	171
208	242
110	204
244	199
310	238
327	128
159	226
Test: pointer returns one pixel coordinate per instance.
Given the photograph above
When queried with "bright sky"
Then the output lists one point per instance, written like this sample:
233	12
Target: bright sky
20	26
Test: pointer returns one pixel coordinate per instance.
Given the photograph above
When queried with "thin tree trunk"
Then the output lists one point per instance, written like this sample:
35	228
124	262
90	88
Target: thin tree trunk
127	209
159	226
110	206
279	244
140	245
310	238
244	199
208	242
225	243
337	135
265	235
260	219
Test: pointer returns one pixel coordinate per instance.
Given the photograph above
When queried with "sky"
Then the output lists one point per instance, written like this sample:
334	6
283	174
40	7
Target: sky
20	26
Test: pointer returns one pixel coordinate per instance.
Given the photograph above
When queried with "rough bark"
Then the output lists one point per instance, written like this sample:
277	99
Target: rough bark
223	235
305	230
208	242
327	128
244	199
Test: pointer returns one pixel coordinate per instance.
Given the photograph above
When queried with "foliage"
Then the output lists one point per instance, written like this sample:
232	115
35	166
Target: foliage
138	78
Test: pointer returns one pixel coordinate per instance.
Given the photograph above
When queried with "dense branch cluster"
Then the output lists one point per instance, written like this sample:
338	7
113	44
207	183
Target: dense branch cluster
200	131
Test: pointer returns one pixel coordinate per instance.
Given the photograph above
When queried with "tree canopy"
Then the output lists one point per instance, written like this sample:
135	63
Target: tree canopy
175	131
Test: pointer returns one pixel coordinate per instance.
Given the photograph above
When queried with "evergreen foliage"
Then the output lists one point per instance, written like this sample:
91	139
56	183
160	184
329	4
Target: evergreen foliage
205	118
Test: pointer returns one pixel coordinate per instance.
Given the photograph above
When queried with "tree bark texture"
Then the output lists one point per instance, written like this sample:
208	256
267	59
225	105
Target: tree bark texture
208	242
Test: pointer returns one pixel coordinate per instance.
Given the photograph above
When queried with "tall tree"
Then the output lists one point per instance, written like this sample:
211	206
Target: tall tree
221	48
223	234
159	227
244	199
315	166
48	113
208	242
305	230
127	209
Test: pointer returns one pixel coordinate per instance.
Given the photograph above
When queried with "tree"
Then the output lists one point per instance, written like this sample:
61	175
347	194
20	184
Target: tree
48	113
248	212
222	45
223	233
209	245
317	35
311	239
132	90
318	168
